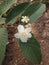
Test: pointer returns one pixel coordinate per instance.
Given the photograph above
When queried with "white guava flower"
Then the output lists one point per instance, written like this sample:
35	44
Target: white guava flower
25	19
31	0
23	33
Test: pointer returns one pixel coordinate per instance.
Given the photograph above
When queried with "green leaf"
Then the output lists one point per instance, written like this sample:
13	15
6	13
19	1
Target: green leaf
5	5
32	10
45	1
3	42
31	50
16	12
2	20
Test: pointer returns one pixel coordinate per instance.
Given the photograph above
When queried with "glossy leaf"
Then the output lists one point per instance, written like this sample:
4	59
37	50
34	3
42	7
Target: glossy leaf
32	10
5	5
16	12
3	41
2	20
31	50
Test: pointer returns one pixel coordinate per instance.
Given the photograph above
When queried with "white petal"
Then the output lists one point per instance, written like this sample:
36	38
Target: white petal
26	21
23	16
22	20
17	35
20	28
29	35
28	29
23	39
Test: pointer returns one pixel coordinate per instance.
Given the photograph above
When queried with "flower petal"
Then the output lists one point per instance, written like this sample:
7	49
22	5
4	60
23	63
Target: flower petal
23	39
28	19
25	19
29	35
28	29
17	35
23	16
22	20
20	28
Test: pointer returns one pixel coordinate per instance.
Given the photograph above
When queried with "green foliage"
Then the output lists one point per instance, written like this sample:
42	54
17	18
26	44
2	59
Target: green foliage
2	20
3	41
16	12
5	5
44	1
32	10
31	50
